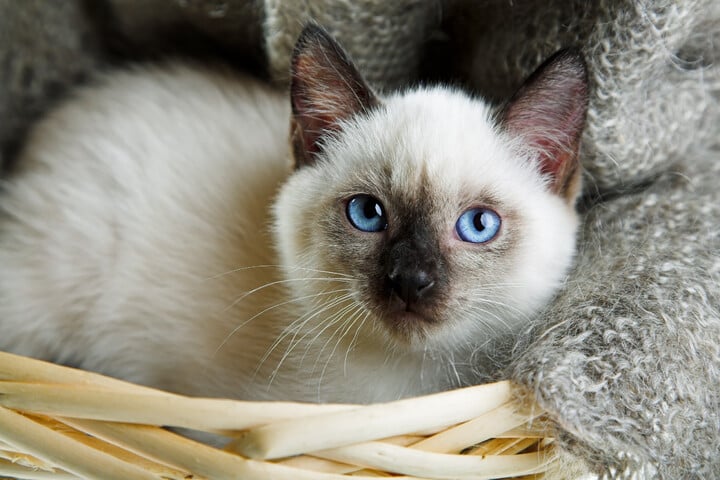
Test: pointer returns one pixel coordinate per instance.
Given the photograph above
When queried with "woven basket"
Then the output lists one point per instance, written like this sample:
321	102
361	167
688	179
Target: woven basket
61	423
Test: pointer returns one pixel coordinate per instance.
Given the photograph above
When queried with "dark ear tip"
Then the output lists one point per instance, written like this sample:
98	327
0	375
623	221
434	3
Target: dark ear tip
311	35
310	32
569	60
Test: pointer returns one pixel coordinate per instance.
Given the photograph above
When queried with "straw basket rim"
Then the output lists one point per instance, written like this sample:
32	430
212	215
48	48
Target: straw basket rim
58	422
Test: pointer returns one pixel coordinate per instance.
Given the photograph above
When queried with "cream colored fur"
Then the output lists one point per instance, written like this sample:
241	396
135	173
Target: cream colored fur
137	239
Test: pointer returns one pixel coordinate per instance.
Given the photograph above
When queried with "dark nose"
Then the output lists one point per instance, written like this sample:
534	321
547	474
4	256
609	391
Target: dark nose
411	285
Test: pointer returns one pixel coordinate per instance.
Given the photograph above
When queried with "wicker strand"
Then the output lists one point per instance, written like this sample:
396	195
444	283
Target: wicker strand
56	448
60	423
109	404
287	438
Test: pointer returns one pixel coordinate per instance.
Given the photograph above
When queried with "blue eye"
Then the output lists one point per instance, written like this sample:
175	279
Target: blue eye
478	225
366	214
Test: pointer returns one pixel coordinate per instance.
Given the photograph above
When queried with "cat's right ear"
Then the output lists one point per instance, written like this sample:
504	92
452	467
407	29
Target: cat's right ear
325	89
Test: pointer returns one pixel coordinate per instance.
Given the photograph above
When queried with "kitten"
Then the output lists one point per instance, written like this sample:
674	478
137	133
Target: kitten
156	230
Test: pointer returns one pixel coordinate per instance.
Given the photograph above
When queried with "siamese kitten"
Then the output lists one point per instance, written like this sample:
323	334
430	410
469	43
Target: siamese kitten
159	229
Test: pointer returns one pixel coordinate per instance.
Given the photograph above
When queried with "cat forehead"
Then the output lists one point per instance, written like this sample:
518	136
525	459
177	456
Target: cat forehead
435	138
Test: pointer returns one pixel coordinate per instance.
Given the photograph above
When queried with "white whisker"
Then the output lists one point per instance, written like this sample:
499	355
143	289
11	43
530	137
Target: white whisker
279	267
293	343
346	327
354	340
278	282
296	326
277	305
331	321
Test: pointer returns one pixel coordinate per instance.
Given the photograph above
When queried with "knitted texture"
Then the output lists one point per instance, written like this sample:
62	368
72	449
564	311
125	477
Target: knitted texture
385	39
627	359
44	47
651	65
181	26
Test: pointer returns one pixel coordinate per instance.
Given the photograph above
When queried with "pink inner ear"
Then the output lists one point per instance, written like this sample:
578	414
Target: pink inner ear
313	123
556	142
326	89
556	139
322	99
548	113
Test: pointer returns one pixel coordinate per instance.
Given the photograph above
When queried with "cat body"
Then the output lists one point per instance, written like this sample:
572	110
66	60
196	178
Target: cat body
160	228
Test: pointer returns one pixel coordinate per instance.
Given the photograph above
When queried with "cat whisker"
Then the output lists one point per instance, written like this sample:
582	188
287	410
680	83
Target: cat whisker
294	343
346	328
342	329
296	326
334	320
277	305
354	340
481	313
280	282
477	297
279	267
323	326
497	286
322	309
453	365
513	309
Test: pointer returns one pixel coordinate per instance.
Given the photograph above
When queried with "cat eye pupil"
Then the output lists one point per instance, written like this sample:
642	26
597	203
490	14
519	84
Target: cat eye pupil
478	225
366	213
479	221
372	209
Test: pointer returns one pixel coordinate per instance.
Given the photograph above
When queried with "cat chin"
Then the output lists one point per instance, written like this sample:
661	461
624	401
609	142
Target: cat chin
414	333
407	328
408	321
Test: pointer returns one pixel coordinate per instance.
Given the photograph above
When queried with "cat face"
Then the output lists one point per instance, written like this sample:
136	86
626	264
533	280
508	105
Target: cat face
420	220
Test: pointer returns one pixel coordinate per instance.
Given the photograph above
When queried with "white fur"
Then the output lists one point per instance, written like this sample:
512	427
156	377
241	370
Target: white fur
136	239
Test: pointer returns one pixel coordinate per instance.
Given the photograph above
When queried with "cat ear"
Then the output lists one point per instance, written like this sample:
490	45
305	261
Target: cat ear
548	113
325	89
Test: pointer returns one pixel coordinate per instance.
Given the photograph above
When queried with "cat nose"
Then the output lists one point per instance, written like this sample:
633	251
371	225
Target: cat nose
411	285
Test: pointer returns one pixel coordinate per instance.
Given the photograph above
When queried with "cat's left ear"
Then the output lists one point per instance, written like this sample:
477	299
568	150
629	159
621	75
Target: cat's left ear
325	89
548	114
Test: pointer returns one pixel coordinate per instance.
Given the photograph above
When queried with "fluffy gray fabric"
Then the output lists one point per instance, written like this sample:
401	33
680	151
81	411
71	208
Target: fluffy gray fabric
651	69
627	359
385	38
44	47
